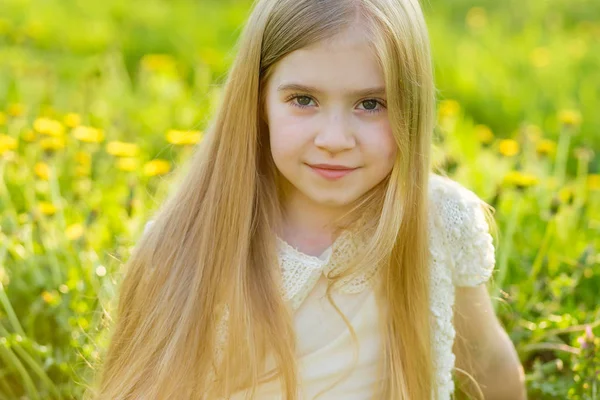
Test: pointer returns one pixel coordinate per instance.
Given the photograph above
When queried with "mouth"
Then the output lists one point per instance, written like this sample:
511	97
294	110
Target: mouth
331	173
332	167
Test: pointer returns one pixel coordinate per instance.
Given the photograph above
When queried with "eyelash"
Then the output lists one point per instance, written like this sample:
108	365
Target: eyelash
297	95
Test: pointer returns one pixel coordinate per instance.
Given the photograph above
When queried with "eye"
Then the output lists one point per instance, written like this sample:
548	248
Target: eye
300	101
370	105
303	100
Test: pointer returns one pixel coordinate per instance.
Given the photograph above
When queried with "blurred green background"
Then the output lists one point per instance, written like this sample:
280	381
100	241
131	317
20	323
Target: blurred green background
100	101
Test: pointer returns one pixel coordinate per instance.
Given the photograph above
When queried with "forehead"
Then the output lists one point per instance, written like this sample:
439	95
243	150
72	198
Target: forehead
345	61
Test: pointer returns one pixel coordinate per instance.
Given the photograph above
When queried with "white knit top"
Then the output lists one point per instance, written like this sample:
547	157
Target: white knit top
462	254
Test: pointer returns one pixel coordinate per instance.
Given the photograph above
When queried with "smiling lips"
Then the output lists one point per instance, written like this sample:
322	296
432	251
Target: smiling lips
330	171
330	166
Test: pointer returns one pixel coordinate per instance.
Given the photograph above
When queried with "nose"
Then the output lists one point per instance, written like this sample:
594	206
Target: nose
336	135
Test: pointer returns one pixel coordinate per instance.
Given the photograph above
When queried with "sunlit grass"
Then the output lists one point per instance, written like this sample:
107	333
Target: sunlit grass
93	125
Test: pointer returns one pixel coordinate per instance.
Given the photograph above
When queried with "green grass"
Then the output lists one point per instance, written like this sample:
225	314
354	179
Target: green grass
518	124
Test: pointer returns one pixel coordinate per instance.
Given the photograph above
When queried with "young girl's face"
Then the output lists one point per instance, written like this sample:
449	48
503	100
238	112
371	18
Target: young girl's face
326	104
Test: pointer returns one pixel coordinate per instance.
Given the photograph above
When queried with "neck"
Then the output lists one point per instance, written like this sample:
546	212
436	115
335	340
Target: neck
309	226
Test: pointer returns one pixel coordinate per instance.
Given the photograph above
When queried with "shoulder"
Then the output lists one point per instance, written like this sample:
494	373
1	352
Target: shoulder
461	219
455	208
449	195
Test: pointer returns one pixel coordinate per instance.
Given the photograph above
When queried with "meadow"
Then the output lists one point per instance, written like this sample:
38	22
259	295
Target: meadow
102	101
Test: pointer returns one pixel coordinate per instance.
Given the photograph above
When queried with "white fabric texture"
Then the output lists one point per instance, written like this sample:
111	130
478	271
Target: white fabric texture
462	254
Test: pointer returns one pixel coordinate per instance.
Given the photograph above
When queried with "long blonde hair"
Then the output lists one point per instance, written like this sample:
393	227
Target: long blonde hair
212	240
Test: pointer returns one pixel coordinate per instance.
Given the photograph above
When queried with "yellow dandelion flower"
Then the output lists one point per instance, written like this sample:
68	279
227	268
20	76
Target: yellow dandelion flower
122	149
74	231
127	164
29	136
569	117
83	158
476	18
88	134
52	143
519	179
7	143
42	170
72	120
546	147
484	134
508	147
448	108
48	297
540	57
511	178
156	167
593	182
16	109
180	137
2	118
46	208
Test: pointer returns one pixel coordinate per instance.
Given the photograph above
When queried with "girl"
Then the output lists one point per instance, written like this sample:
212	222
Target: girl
310	252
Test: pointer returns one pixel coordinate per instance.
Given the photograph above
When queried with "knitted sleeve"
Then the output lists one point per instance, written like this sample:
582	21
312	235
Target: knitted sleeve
466	235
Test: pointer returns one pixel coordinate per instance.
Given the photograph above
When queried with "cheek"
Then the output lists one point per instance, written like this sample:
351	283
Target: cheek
380	144
287	134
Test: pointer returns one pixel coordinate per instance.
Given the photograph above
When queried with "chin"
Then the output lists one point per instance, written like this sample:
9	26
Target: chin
332	201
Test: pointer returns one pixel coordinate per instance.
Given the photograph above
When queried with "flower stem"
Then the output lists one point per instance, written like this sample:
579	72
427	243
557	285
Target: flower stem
506	249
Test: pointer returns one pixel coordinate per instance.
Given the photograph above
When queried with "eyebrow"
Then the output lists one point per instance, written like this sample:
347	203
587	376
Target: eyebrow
311	89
